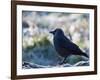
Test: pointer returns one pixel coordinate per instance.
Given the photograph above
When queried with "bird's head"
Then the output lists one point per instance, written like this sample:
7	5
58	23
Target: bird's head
57	31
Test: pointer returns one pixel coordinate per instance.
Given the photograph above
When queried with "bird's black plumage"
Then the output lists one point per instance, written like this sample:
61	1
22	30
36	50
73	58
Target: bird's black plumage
64	46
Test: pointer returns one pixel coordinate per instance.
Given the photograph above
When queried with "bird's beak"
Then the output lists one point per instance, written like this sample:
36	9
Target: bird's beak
52	32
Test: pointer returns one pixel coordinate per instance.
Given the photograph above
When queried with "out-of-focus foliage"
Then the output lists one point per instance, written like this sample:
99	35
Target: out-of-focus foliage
37	45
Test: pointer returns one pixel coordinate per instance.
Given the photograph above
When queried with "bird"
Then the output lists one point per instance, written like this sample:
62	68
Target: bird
65	47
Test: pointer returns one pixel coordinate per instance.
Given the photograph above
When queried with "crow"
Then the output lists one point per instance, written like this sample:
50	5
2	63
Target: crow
64	46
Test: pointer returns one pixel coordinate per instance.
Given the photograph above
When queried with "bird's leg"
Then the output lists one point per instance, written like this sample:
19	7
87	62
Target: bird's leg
63	61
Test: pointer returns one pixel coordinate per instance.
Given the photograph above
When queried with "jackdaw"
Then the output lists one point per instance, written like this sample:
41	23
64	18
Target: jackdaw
64	46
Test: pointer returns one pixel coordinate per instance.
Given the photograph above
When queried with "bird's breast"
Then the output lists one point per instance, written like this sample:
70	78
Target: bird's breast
58	43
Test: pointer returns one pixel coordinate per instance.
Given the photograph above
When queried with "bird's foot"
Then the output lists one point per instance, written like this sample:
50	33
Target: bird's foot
61	63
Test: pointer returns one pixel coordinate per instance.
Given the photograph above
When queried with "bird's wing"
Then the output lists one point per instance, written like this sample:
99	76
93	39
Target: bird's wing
70	46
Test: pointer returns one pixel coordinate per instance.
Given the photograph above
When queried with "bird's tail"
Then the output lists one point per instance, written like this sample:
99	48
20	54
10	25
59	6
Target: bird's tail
84	54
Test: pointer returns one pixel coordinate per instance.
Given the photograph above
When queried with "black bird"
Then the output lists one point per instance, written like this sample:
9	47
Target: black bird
64	46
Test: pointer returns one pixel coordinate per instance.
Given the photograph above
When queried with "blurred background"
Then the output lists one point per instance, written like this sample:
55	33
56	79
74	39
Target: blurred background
37	45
